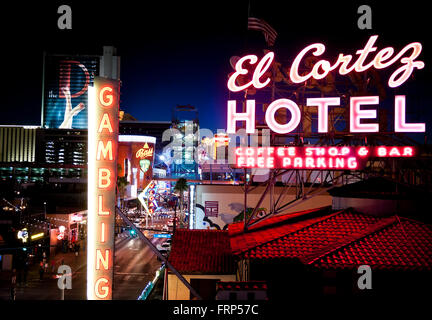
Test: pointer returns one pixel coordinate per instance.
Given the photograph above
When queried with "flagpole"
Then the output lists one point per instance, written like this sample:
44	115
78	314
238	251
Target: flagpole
247	26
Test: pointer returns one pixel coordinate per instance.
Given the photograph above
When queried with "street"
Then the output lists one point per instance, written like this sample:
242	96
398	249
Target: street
135	266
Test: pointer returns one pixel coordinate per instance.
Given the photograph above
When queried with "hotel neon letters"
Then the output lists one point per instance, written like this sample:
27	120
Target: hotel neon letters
102	172
356	114
317	158
320	70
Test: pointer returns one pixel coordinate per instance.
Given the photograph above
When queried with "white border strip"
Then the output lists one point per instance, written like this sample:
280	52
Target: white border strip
130	138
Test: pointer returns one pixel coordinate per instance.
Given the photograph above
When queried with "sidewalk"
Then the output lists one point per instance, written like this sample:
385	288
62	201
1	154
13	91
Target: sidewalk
76	263
47	288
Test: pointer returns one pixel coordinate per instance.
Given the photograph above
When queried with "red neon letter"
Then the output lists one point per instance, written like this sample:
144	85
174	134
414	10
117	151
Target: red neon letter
400	124
248	116
104	174
103	232
102	291
322	104
100	209
105	124
105	150
105	99
408	152
356	114
100	258
275	106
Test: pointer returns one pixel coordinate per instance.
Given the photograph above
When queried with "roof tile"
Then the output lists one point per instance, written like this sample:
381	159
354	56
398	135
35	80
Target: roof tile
338	240
202	251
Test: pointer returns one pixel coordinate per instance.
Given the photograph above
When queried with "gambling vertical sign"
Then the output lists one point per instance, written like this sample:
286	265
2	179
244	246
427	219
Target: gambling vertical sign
103	126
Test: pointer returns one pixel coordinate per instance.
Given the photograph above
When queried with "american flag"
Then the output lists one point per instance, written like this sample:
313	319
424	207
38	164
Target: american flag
270	34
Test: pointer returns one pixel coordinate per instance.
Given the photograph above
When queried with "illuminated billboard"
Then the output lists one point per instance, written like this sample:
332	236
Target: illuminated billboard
65	90
102	175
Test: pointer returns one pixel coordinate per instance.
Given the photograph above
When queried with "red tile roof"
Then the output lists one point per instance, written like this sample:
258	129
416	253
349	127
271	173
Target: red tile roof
202	251
272	228
241	285
403	245
338	240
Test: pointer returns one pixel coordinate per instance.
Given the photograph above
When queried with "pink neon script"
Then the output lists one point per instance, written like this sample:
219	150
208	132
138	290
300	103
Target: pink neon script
381	60
260	70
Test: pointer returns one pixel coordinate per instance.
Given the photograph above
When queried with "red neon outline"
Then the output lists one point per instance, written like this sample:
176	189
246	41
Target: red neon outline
102	124
97	260
400	124
378	62
248	116
261	69
241	71
295	116
322	104
104	147
356	114
101	98
102	177
107	285
103	232
101	212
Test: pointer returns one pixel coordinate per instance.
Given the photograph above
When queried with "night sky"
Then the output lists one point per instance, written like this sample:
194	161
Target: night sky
177	53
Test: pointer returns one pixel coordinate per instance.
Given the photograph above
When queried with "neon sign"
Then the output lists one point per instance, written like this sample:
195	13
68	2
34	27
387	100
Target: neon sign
23	235
37	236
317	158
61	234
103	126
322	68
148	198
383	59
145	152
322	103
